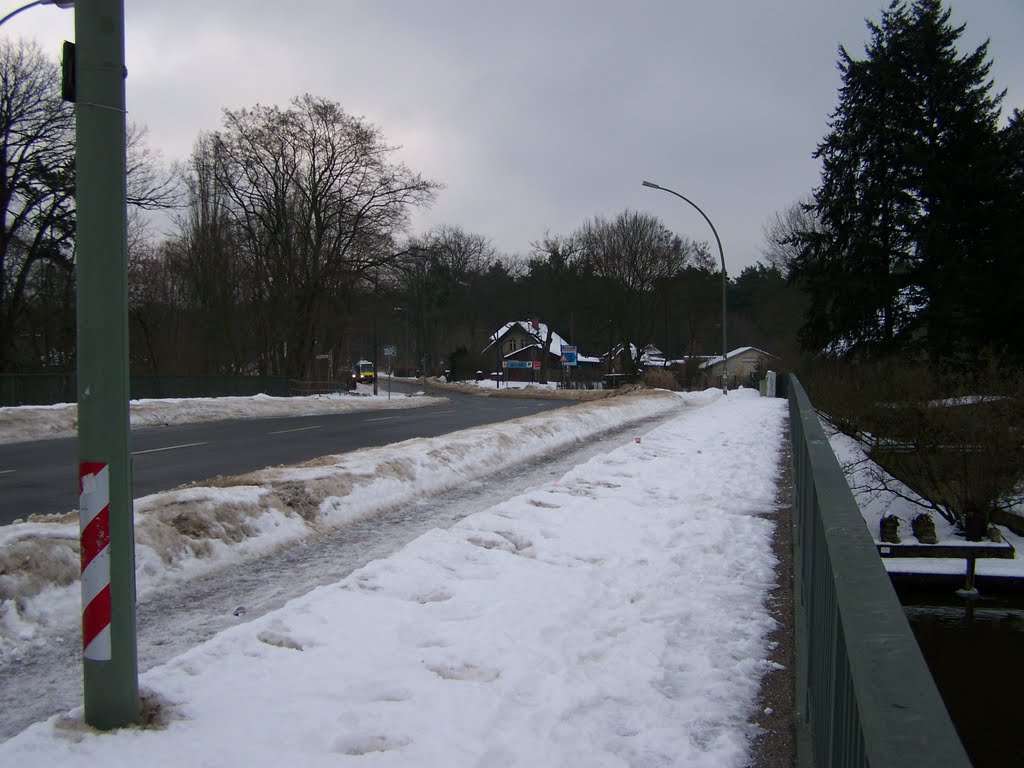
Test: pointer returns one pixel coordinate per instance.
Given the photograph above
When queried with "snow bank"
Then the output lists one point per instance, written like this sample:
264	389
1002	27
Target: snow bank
617	616
36	422
193	530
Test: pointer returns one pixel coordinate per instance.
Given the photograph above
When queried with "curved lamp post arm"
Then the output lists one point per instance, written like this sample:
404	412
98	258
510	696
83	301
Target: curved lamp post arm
16	11
714	231
721	255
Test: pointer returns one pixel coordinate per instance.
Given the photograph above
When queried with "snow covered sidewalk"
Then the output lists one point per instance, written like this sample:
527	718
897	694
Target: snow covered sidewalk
615	617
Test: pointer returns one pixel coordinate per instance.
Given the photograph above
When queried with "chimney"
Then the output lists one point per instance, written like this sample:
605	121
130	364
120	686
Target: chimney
535	322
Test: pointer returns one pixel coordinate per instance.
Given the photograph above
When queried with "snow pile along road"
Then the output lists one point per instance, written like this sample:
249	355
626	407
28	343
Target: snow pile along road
192	530
37	422
617	616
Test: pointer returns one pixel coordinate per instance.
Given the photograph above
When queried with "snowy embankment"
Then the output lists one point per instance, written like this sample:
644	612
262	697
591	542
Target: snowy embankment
879	494
192	530
617	616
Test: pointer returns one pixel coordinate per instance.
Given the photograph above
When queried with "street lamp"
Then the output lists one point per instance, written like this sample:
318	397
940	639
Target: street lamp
58	3
110	675
721	254
107	544
109	658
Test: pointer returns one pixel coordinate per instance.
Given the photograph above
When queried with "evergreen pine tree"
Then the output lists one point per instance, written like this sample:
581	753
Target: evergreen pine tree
960	179
910	178
1003	327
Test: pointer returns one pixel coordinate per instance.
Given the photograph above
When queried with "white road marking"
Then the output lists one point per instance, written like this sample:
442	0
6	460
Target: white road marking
382	418
297	429
167	448
7	471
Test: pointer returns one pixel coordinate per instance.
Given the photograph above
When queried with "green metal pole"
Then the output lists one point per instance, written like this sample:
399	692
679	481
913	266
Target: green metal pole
725	345
110	676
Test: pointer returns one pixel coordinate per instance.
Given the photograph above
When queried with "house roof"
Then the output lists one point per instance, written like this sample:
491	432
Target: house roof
734	353
541	332
649	355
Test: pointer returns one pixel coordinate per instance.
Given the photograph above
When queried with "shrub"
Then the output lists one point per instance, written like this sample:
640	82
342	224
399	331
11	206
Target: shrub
954	438
659	378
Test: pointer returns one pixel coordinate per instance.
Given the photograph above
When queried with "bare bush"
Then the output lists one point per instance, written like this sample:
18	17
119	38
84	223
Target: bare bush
659	378
953	438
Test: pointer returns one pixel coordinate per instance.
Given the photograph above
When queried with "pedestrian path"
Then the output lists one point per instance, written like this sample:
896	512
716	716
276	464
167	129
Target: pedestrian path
622	615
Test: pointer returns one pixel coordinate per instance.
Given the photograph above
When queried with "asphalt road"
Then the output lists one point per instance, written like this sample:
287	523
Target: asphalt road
40	476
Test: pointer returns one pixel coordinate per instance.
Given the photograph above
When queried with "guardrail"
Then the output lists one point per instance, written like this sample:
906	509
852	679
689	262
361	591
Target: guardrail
865	696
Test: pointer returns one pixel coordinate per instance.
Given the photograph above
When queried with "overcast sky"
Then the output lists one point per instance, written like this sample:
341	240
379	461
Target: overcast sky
536	115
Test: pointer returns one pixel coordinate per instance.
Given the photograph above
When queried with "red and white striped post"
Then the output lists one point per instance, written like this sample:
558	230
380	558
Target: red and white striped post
94	520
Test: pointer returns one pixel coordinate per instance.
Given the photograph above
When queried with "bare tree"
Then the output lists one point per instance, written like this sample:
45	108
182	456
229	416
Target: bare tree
217	305
37	208
555	286
461	259
314	203
782	231
702	259
36	185
151	308
150	186
635	255
461	252
947	442
437	279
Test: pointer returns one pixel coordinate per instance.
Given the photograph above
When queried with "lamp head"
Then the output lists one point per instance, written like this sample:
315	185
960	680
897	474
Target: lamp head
651	184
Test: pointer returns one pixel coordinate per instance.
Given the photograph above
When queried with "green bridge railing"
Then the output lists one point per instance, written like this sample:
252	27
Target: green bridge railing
865	696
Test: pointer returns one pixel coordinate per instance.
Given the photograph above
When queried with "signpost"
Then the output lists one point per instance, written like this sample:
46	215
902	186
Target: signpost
516	364
568	360
389	353
328	375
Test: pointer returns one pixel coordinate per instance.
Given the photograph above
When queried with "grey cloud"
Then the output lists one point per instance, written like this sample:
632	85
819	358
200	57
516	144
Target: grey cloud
536	114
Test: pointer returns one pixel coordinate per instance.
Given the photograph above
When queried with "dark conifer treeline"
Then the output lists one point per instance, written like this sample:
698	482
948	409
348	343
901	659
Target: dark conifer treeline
917	247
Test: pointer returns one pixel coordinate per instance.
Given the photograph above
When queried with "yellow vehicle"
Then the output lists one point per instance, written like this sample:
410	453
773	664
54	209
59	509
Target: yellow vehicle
363	372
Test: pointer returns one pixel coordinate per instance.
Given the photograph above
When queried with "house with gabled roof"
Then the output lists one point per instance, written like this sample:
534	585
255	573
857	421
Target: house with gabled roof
622	357
518	349
746	365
